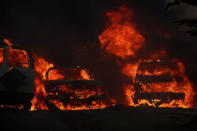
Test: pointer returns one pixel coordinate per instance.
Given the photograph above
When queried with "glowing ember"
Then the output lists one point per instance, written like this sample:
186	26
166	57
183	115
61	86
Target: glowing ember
17	58
94	105
85	75
1	55
8	42
18	107
55	75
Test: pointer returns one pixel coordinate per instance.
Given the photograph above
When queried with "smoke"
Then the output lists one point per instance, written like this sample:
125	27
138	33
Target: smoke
183	10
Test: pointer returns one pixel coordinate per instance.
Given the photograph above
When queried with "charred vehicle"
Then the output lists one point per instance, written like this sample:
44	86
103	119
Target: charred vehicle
73	87
159	82
16	76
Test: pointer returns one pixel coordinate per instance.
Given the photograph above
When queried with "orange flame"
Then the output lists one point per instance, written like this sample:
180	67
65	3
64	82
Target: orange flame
41	67
121	38
172	86
85	75
55	75
8	42
1	55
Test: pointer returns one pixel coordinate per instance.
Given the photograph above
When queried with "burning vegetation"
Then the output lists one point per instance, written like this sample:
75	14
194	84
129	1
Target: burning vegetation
155	82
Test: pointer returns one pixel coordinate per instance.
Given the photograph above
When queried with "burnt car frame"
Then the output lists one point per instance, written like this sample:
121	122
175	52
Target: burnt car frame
155	97
71	90
16	80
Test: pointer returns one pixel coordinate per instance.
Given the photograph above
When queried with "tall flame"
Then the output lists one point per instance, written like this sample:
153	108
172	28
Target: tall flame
121	38
41	67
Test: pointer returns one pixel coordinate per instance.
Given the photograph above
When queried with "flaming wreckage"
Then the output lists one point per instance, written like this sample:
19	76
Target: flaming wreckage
72	88
159	82
66	88
16	76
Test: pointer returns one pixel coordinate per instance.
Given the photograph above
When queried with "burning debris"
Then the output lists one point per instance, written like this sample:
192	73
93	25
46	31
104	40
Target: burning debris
74	90
162	83
155	83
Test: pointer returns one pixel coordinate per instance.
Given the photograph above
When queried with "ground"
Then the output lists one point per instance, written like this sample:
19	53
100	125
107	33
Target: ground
111	119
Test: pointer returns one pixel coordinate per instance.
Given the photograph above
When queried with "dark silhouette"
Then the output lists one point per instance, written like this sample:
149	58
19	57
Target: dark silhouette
192	23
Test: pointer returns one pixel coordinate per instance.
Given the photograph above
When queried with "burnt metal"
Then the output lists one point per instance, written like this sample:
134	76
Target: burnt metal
161	96
16	83
13	79
156	98
52	88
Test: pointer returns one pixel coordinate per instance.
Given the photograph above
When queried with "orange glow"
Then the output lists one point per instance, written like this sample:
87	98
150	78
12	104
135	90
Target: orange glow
8	42
19	107
55	75
94	105
121	38
85	75
81	94
173	86
1	55
41	67
130	70
17	57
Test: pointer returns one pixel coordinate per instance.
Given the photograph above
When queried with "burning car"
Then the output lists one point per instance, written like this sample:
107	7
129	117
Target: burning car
72	88
159	82
16	76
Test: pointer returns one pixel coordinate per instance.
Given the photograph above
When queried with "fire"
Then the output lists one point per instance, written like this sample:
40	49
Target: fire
41	67
17	58
130	70
121	38
175	86
85	75
19	107
55	75
1	55
94	105
8	42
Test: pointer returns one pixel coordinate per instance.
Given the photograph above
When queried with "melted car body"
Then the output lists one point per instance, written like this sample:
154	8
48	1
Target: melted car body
72	87
158	82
